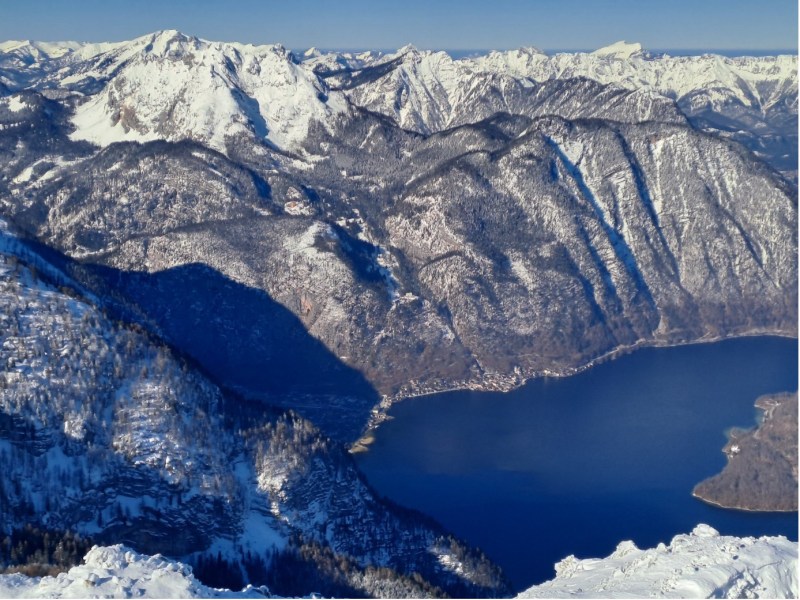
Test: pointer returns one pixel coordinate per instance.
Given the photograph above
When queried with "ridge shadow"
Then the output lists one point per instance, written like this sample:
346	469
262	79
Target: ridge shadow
249	343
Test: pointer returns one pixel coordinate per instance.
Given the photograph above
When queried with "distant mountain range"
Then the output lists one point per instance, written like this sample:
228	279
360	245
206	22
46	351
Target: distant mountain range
258	87
223	262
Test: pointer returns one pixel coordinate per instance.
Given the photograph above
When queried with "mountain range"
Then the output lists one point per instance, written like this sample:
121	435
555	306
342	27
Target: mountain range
223	262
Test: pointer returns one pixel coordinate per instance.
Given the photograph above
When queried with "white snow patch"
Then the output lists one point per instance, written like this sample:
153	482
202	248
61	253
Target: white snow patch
118	572
298	208
520	269
25	175
56	164
703	564
304	244
16	104
75	426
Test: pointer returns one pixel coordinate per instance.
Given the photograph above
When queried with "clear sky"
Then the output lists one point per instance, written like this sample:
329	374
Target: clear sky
436	24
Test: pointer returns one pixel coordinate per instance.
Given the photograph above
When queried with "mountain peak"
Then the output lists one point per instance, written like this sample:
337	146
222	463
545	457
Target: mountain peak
171	34
621	50
39	50
407	49
530	51
169	41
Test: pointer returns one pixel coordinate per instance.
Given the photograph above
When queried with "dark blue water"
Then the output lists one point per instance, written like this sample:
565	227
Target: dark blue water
576	465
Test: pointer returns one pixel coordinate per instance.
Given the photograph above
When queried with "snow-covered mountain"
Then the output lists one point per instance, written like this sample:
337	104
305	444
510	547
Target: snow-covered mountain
754	81
23	53
393	248
702	564
332	62
26	62
212	92
621	50
222	264
750	99
428	92
29	52
169	86
106	432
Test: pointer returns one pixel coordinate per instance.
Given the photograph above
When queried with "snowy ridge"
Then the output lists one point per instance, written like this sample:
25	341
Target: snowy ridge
25	62
427	87
429	92
621	50
752	100
119	572
171	86
333	61
754	81
33	51
37	51
703	564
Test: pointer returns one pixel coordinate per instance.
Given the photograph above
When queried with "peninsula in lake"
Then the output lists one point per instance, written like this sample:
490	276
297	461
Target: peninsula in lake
761	473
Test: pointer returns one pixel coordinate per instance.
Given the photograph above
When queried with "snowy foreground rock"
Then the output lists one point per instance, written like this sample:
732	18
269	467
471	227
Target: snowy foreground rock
703	564
118	572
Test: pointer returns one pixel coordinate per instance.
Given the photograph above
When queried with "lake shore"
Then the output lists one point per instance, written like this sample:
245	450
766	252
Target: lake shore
500	382
761	472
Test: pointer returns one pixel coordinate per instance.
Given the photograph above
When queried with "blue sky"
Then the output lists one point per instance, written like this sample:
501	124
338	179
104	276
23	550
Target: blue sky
441	24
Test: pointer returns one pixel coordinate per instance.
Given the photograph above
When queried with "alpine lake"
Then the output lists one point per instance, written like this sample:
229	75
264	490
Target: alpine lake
575	465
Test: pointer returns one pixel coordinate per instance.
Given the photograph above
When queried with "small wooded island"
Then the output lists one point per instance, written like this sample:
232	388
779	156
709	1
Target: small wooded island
761	473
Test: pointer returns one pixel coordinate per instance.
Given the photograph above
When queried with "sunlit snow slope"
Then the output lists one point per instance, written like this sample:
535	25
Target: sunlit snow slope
703	564
171	86
119	572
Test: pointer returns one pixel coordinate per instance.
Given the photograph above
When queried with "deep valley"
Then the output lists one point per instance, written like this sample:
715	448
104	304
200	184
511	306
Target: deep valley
222	264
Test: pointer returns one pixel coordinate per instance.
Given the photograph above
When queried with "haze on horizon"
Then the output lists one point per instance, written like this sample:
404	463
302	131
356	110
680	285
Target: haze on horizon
444	24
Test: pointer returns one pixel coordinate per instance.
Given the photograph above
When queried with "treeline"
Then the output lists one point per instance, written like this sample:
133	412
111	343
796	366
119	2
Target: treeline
38	552
304	568
312	568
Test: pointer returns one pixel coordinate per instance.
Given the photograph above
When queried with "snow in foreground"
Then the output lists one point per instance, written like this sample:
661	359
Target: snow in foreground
703	564
118	572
